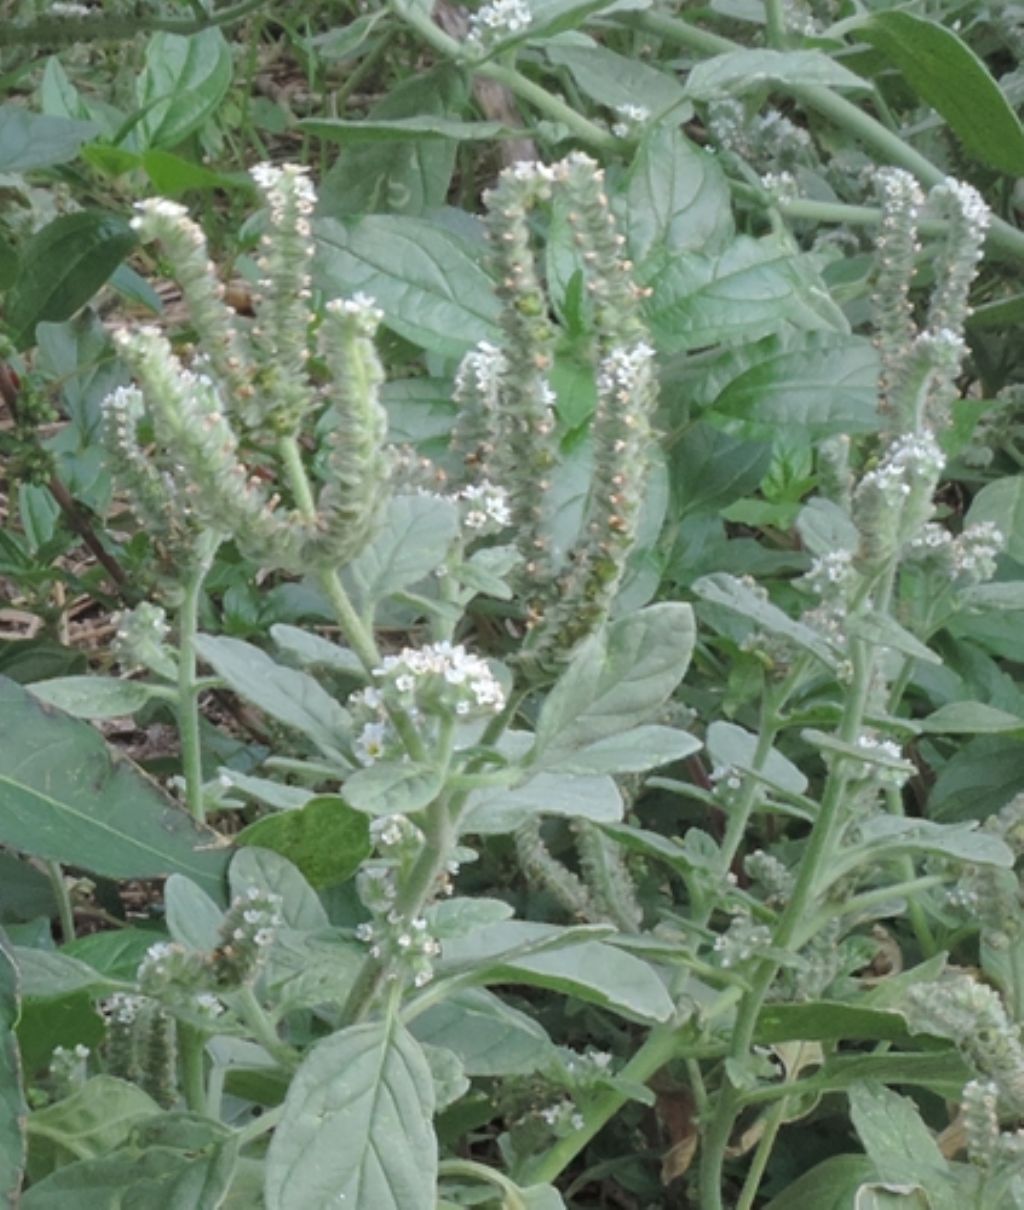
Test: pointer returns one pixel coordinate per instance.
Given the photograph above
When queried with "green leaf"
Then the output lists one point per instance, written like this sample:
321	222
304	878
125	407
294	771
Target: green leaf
753	288
116	953
969	718
949	76
95	696
732	746
614	80
88	808
49	975
172	175
617	680
411	176
900	1145
182	85
292	697
62	267
892	835
817	385
428	283
368	1088
978	779
314	651
393	789
727	592
490	1038
741	71
420	126
95	1118
193	919
1002	503
884	631
67	1021
633	751
269	871
411	542
173	1178
676	196
13	1109
326	839
830	1185
588	970
30	140
25	892
496	812
828	1021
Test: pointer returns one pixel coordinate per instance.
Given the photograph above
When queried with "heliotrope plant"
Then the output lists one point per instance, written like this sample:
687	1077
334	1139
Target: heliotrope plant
305	1034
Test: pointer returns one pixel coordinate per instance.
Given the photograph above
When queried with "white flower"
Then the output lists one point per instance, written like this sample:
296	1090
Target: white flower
498	20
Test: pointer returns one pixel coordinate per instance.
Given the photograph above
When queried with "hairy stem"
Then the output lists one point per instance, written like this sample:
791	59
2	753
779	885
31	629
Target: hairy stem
62	895
188	687
192	1051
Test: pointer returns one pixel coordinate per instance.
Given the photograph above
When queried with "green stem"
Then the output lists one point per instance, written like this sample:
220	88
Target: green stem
192	1049
755	1172
524	88
490	1176
188	692
815	859
258	1126
1003	238
255	1017
62	895
357	633
655	1052
775	14
114	28
1017	980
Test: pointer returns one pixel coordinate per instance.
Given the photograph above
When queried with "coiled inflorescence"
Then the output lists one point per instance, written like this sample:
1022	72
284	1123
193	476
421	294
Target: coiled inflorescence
251	386
507	424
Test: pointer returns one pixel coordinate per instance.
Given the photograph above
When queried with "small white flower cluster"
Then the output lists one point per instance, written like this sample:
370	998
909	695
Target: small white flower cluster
562	1117
479	373
878	753
741	941
396	836
494	22
975	551
140	635
284	182
831	575
901	191
968	559
255	917
969	202
910	457
629	118
622	370
405	945
122	1008
726	779
64	8
439	679
780	186
488	507
361	308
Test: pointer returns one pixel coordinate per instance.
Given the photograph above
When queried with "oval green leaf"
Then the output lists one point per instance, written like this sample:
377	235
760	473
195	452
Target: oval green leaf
949	76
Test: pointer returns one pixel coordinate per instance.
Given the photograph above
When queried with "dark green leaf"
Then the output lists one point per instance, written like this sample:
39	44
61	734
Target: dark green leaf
615	80
183	83
326	840
821	384
428	283
830	1185
617	680
369	1089
900	1145
89	809
944	71
970	718
676	196
62	267
828	1021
